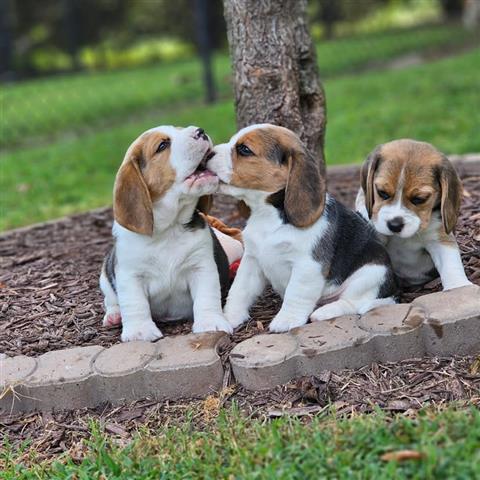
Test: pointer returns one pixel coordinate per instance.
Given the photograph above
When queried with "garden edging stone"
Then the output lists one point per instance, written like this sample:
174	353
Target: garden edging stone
443	323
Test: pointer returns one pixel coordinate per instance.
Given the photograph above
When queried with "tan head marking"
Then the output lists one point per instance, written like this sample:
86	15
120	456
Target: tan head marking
280	162
144	177
418	174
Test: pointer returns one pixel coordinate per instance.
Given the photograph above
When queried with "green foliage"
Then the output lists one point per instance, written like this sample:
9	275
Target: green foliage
68	103
235	447
76	172
66	135
354	53
52	106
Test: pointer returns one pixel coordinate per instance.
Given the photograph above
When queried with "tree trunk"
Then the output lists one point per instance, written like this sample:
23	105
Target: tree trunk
275	68
202	21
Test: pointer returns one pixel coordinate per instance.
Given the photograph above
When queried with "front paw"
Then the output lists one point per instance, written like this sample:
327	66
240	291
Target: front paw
212	323
145	331
459	284
235	318
284	323
112	317
327	312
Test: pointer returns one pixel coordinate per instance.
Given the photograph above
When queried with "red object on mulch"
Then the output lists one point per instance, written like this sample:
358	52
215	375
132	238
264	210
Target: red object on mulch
49	294
233	269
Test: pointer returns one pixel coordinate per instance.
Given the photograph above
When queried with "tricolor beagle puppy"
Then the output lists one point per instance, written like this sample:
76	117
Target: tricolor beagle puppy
412	194
166	260
306	244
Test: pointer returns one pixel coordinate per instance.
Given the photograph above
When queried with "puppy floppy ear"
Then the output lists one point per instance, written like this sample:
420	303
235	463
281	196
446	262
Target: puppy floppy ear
132	204
306	188
451	195
205	204
367	175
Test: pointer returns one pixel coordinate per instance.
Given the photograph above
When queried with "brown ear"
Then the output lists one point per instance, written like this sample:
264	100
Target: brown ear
132	205
205	204
451	187
306	188
367	175
243	210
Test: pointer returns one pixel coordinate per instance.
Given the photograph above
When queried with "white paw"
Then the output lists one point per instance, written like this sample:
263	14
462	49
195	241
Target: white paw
284	323
236	318
112	317
145	331
332	310
458	285
212	323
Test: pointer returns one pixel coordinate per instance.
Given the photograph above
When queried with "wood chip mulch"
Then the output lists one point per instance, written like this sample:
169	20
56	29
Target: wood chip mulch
49	294
49	299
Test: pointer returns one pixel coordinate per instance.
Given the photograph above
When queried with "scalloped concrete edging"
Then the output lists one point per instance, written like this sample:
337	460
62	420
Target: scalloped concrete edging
175	367
443	323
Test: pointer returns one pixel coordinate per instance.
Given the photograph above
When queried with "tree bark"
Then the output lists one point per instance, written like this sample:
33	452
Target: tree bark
275	69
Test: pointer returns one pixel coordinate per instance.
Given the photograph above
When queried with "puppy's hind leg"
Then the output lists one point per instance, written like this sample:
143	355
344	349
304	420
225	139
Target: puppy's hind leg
359	296
112	310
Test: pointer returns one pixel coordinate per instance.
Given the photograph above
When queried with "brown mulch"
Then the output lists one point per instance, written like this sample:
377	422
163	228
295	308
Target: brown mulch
397	388
49	294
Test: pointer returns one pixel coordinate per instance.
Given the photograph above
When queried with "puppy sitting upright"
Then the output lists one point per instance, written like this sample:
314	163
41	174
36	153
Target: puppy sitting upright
166	261
306	244
412	194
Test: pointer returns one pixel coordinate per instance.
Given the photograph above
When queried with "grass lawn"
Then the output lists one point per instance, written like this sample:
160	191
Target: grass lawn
447	444
436	102
43	107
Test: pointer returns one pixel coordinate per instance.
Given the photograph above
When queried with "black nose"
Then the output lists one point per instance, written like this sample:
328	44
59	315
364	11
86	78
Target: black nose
395	224
200	133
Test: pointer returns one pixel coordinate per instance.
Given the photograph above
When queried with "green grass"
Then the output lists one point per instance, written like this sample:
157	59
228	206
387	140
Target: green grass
436	102
233	447
47	107
344	55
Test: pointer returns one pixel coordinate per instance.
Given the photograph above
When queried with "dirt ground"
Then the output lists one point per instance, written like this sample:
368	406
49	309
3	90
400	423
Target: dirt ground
49	294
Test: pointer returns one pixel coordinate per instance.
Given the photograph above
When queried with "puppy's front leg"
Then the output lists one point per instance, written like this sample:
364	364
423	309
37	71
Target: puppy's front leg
304	289
207	304
137	323
447	260
247	286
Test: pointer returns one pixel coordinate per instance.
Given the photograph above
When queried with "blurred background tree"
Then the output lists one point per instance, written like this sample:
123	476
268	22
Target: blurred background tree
50	36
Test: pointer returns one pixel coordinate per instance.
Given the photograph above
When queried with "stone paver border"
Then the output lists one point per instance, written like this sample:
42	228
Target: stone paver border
443	323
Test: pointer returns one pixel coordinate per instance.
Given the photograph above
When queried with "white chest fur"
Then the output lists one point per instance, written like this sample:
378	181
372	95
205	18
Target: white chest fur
163	263
277	247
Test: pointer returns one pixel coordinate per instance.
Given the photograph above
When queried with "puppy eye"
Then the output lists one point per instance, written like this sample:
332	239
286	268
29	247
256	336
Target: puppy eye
383	194
418	200
165	144
244	151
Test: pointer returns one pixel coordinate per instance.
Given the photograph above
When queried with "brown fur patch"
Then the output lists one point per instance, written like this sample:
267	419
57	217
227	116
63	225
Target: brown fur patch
280	161
417	168
263	170
143	178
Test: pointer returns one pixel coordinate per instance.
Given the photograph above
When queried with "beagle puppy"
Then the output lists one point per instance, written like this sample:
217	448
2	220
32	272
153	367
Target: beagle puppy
411	193
166	261
309	247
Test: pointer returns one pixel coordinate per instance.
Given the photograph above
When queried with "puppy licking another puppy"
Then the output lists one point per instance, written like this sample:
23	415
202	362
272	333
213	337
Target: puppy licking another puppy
411	193
307	245
166	260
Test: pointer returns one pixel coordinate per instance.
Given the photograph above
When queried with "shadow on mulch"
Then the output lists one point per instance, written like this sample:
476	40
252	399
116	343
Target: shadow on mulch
49	292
